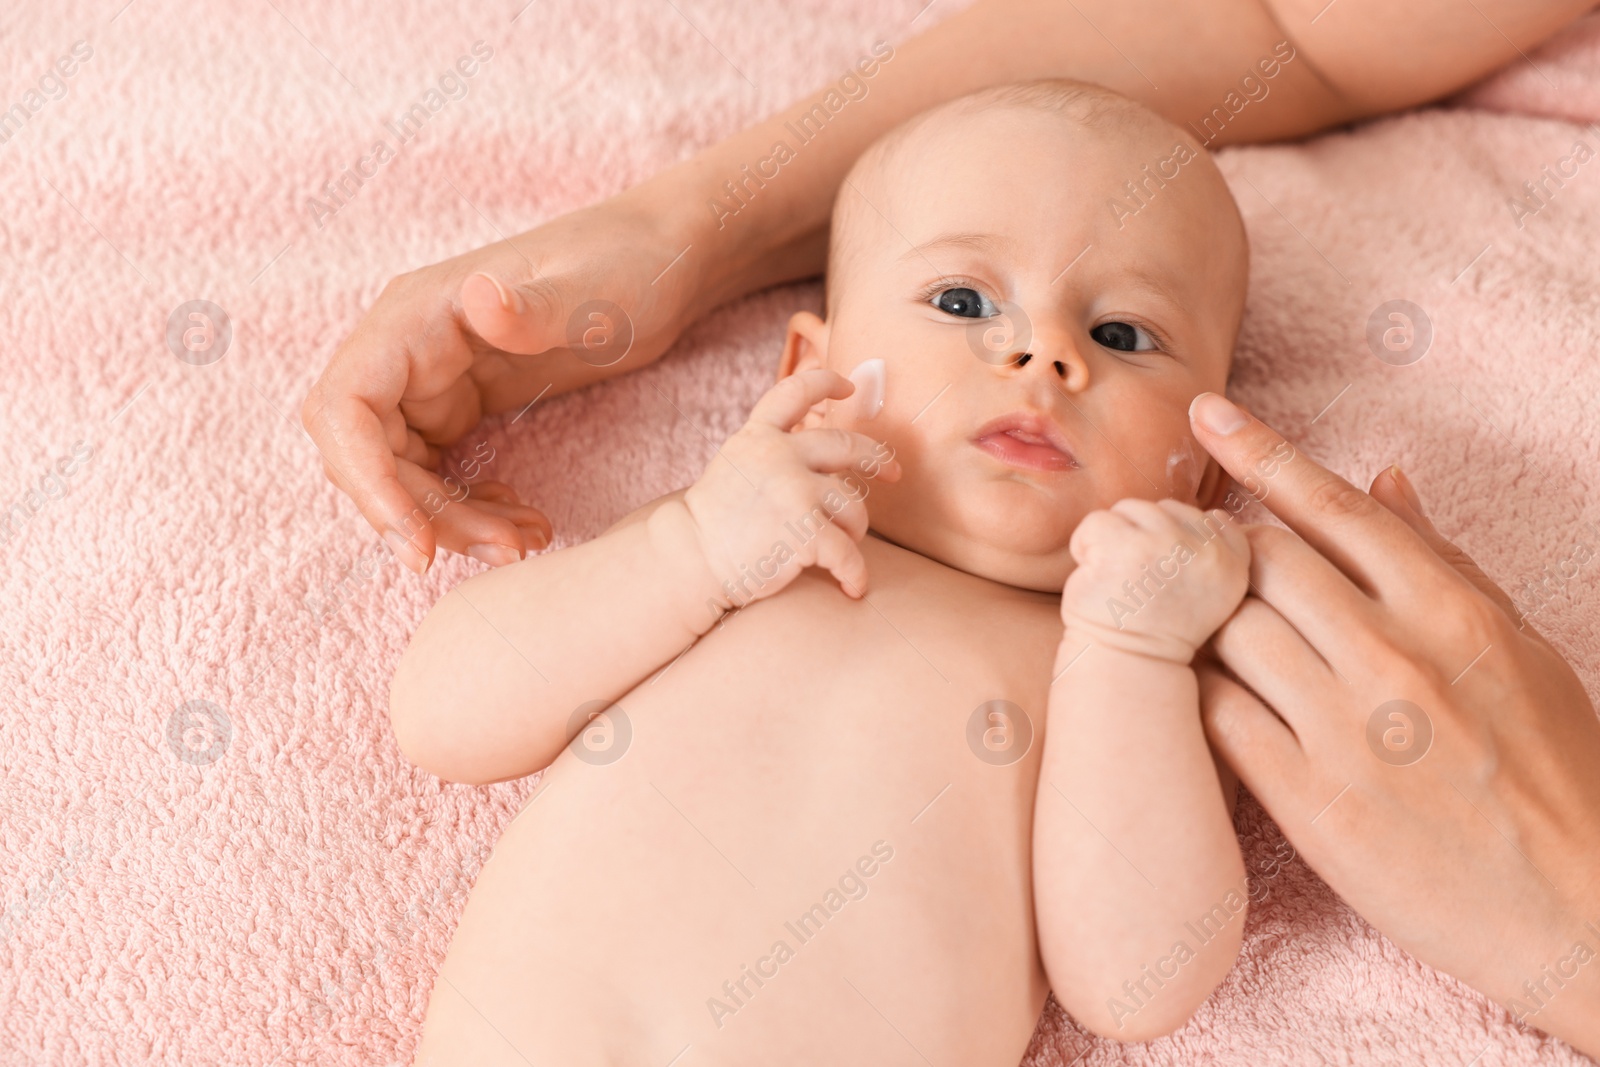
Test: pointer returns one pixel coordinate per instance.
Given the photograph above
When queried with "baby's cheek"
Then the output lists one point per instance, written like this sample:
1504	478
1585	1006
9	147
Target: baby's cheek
1185	466
1146	426
1156	466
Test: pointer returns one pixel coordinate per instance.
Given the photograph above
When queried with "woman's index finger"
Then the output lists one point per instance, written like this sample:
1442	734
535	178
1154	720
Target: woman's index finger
1354	532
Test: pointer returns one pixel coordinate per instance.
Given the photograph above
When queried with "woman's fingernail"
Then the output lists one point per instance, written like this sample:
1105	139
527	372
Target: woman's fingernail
1407	490
409	555
1216	413
494	555
510	299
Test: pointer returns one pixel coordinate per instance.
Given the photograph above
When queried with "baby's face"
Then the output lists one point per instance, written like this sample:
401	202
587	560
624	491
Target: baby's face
1039	348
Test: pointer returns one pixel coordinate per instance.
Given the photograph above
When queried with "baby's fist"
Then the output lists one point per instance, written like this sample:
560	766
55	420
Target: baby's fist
1155	577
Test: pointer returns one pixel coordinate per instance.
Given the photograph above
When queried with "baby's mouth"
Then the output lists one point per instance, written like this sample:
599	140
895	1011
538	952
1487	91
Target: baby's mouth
1027	441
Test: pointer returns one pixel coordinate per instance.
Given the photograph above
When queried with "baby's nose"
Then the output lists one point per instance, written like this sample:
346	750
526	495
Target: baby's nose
1056	365
1053	353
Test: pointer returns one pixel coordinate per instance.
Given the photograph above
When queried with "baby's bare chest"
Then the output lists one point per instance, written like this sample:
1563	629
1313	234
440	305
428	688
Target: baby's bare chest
814	699
851	781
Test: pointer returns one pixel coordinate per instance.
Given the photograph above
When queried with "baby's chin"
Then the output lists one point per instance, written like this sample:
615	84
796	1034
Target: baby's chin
1023	546
999	563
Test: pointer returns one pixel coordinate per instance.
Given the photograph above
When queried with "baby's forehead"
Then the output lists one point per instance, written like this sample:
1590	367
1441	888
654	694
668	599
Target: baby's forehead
1035	163
1101	125
908	175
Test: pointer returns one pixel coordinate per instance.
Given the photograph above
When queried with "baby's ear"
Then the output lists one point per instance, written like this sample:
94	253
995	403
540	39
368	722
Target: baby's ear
805	347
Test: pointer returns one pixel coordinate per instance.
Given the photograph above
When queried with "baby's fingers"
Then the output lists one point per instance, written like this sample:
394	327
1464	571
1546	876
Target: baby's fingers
787	402
1099	529
828	451
1233	534
1208	524
1146	514
845	500
840	556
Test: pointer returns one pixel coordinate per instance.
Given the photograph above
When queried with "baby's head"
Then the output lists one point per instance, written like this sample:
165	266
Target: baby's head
1049	273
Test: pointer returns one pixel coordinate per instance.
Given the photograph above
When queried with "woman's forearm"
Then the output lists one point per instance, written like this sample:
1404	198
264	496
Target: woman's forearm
1231	71
1563	997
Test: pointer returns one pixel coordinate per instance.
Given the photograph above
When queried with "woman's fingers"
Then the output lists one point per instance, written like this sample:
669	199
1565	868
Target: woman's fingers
352	412
1395	493
1371	546
1259	747
1312	596
535	527
355	448
499	492
491	497
787	402
442	419
526	317
419	451
1266	653
492	532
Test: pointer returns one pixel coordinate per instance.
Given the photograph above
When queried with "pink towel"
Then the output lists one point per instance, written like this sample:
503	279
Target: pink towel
210	849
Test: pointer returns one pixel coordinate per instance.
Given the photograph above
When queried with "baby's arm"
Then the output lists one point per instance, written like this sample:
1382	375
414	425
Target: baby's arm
488	686
493	679
1139	888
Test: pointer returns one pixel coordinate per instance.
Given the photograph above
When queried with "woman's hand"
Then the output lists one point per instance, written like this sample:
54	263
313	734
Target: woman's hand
584	297
1432	757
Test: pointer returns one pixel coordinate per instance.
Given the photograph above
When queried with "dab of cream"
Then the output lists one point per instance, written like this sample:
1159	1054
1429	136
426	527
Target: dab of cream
869	382
1182	479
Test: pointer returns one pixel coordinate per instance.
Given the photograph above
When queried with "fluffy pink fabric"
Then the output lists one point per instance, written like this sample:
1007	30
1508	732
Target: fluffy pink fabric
289	902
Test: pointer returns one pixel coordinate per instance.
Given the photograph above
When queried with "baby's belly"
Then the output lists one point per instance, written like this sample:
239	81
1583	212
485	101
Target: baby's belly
773	858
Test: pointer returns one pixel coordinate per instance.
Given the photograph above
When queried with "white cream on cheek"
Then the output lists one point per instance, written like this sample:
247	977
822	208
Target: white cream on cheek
1183	470
869	382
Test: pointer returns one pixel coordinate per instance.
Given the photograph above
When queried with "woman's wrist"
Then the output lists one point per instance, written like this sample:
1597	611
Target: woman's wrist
1565	995
728	257
1563	998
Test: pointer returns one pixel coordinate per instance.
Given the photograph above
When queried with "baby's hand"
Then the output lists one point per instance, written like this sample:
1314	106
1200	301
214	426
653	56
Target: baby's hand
1155	577
774	500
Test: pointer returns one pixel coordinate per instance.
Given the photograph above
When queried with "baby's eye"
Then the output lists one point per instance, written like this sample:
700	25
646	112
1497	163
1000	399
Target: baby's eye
1122	336
964	303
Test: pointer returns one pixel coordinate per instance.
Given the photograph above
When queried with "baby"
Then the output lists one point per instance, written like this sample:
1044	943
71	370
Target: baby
887	725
